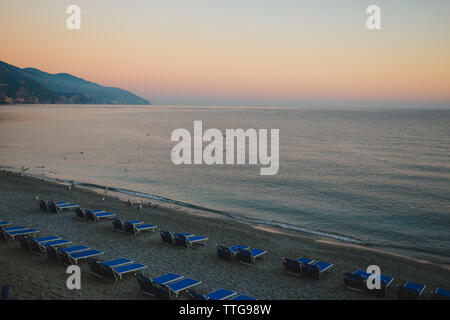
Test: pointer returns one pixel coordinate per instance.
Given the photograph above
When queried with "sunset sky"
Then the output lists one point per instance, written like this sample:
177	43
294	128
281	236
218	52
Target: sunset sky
247	52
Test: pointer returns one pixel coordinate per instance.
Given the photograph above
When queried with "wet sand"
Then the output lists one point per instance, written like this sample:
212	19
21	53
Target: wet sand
34	277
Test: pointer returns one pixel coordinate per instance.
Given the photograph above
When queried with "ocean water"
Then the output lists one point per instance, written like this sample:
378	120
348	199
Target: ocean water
379	177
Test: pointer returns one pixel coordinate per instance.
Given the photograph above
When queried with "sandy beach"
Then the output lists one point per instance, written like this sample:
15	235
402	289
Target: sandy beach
34	277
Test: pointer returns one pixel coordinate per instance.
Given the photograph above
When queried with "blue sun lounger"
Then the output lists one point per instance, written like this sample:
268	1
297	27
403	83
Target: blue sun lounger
146	284
98	268
82	214
187	240
22	232
168	237
441	294
135	228
4	231
53	253
57	207
50	205
73	258
291	266
97	215
411	290
228	253
248	256
35	245
116	273
25	241
175	288
68	206
315	269
295	266
120	225
40	247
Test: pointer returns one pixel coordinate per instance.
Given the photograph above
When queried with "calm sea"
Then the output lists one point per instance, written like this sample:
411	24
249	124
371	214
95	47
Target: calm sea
378	177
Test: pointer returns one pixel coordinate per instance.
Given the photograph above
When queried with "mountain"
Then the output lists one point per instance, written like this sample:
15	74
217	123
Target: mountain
17	87
30	85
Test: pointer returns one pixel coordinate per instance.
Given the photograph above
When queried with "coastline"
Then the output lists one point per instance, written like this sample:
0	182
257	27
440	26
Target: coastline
33	277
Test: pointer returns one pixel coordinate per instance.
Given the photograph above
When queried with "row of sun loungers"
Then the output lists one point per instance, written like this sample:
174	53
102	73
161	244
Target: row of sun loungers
357	280
414	291
55	248
170	285
132	227
410	290
186	240
39	245
165	287
113	269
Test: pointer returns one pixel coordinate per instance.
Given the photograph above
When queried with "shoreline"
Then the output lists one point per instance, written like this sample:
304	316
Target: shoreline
19	207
